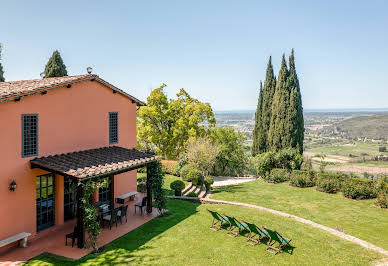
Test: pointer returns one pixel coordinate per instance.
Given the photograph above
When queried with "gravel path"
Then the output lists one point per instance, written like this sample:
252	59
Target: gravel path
230	180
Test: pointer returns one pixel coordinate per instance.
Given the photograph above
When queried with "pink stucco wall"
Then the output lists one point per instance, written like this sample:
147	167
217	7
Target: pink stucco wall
70	119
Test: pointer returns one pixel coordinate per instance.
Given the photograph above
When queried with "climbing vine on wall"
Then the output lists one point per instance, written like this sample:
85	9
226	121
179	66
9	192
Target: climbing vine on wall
155	181
90	220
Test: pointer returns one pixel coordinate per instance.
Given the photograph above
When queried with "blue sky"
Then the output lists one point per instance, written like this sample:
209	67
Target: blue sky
217	50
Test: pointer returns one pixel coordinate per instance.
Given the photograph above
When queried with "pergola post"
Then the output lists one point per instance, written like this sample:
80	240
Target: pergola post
80	218
149	191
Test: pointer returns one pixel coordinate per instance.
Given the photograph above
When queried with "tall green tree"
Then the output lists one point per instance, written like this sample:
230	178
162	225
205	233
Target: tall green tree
279	135
269	92
166	125
258	122
295	110
55	66
264	112
2	79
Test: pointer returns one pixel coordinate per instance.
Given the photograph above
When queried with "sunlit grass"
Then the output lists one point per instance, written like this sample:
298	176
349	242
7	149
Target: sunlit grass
184	238
358	218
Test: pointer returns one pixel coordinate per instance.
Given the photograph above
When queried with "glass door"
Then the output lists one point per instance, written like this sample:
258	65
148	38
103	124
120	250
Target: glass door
45	201
70	198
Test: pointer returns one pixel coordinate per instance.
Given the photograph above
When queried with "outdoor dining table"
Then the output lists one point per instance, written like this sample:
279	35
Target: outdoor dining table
103	209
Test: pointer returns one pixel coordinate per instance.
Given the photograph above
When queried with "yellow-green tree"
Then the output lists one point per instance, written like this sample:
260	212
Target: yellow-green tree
166	125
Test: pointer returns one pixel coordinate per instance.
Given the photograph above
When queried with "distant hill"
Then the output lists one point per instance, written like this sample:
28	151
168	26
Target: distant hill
373	127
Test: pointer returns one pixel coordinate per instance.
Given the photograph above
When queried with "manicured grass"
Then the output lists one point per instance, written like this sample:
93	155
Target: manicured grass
184	238
167	181
358	218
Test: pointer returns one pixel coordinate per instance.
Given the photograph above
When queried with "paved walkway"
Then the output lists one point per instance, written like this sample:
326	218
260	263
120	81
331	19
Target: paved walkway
299	219
230	180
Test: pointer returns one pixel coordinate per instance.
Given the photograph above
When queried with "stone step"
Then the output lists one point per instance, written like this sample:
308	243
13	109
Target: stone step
189	190
189	185
202	193
197	190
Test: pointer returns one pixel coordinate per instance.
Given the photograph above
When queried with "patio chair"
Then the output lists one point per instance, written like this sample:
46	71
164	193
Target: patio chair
141	204
111	218
255	234
235	224
73	236
273	238
123	213
218	220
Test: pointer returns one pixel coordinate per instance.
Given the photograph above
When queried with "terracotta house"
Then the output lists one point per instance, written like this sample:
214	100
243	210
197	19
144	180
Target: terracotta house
55	133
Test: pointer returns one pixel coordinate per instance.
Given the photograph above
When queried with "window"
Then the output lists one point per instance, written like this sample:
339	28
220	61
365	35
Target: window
45	201
113	128
70	199
29	135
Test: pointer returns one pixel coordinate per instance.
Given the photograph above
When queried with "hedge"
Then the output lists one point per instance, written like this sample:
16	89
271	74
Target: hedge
170	167
357	188
277	176
302	178
329	183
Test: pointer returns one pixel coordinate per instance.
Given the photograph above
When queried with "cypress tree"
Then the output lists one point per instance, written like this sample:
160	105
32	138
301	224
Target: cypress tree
55	66
295	110
2	79
268	94
279	136
258	122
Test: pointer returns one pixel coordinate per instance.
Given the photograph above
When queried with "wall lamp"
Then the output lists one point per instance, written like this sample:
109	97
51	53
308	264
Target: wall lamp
12	186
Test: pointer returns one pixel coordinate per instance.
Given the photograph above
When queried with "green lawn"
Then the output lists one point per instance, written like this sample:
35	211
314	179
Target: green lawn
358	149
167	181
183	238
358	218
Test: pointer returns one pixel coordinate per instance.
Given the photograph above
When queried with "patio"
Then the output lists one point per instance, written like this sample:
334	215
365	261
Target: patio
53	241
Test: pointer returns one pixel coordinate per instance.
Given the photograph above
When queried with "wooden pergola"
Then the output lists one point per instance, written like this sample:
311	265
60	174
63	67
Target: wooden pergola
95	164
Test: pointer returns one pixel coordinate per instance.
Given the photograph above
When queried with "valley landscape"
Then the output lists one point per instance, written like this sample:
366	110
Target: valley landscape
351	141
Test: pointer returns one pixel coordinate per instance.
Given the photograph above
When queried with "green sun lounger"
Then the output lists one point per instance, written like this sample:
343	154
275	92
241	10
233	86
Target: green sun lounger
273	238
218	220
235	224
255	234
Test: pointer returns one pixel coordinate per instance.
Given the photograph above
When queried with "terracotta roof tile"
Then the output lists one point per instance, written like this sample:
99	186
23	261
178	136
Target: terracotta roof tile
94	162
21	88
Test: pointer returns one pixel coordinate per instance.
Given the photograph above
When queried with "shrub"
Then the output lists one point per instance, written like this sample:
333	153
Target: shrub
277	176
329	183
302	178
169	167
185	170
382	149
357	188
382	200
289	159
263	163
177	186
208	183
192	195
195	176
